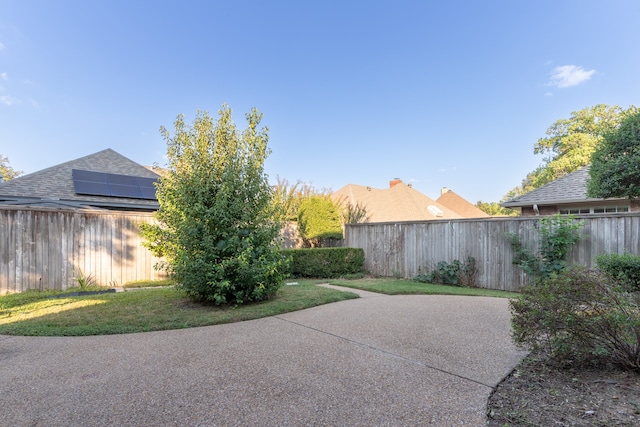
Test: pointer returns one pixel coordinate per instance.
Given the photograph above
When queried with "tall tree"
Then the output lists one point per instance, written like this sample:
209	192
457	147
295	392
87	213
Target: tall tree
494	209
570	144
615	165
6	171
216	226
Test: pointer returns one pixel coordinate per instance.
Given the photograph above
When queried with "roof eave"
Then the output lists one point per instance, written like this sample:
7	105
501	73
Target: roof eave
16	201
558	202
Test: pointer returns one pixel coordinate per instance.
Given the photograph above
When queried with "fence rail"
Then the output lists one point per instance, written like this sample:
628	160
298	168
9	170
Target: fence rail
41	249
410	248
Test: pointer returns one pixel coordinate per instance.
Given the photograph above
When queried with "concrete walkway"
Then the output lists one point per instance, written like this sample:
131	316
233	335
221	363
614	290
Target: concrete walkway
374	361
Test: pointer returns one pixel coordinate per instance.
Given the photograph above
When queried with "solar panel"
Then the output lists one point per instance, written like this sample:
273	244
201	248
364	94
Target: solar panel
83	175
129	191
121	179
93	188
113	185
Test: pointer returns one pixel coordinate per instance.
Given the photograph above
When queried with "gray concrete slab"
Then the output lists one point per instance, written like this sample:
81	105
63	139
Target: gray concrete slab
384	361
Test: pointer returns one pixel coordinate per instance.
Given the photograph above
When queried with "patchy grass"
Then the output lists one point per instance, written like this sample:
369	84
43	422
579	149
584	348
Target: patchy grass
34	313
392	286
148	284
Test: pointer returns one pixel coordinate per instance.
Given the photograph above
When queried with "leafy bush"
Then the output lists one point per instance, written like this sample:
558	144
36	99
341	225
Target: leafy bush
579	315
624	269
319	218
455	273
216	226
558	234
325	262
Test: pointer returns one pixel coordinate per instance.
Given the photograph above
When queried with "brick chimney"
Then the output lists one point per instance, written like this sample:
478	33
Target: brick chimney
395	181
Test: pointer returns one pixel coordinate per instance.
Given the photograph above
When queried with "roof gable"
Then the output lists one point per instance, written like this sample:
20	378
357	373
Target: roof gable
398	203
463	207
56	183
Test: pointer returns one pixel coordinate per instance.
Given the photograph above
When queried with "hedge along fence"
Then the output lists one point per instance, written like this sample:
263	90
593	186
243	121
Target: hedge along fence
41	248
407	249
325	262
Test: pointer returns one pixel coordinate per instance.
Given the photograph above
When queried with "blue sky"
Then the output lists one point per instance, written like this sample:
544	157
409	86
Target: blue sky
437	93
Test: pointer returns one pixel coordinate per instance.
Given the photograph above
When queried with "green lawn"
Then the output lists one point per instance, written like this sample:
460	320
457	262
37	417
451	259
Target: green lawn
34	313
391	286
164	307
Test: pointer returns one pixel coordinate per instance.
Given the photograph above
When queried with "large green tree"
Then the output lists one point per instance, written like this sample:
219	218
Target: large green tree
494	209
615	165
570	143
6	171
216	227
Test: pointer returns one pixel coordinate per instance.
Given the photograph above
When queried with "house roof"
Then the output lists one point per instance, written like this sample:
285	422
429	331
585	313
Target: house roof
398	203
457	204
53	186
571	188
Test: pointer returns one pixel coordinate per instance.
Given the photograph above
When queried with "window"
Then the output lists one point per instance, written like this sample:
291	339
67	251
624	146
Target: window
595	210
575	211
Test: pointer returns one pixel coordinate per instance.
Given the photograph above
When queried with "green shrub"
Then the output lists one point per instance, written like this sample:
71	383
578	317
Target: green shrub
455	273
622	268
558	234
579	315
319	218
216	226
325	262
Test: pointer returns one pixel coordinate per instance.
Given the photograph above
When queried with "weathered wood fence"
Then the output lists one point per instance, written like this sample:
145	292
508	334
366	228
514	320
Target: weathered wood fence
410	248
42	249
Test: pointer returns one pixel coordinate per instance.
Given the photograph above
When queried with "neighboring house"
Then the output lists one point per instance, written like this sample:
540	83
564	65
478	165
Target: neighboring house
568	195
459	205
399	202
104	180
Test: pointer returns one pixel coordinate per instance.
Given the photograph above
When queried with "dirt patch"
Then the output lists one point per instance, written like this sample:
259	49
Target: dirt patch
542	393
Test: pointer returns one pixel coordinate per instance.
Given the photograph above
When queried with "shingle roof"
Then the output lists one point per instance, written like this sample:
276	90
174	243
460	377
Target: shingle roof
457	204
570	188
398	203
47	186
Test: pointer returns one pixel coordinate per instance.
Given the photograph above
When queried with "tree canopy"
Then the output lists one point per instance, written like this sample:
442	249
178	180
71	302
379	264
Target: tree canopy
216	226
319	218
494	209
6	171
570	143
318	215
615	165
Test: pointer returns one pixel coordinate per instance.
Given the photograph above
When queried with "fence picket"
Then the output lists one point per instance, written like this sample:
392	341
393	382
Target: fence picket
408	249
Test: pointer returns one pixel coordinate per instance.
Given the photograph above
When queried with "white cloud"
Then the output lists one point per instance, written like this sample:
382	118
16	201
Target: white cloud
4	76
1	46
7	100
569	75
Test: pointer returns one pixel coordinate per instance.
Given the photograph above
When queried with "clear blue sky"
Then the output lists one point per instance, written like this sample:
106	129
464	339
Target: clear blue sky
437	93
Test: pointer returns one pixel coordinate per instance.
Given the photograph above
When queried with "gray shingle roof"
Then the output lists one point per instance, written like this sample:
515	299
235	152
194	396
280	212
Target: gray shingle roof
55	183
570	188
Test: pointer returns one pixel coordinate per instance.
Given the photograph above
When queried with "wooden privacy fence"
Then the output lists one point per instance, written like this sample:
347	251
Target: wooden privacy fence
410	248
41	249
